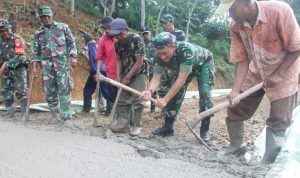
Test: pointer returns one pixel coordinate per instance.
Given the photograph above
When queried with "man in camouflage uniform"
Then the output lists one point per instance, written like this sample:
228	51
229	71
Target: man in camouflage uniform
167	22
14	69
131	71
150	53
54	48
179	63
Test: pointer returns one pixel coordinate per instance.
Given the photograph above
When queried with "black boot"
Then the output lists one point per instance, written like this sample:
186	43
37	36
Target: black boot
10	108
23	104
204	129
167	129
87	103
109	106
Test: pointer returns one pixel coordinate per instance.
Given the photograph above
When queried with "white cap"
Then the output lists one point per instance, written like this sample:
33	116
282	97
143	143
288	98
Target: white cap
224	7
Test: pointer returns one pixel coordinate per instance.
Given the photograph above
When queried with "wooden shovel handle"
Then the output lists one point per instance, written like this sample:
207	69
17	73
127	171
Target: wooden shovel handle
192	122
121	85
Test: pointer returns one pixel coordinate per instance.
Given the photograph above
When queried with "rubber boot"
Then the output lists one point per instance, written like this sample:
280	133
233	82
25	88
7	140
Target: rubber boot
135	130
55	114
236	135
274	141
109	106
167	129
204	129
23	104
102	103
123	116
10	108
159	114
87	103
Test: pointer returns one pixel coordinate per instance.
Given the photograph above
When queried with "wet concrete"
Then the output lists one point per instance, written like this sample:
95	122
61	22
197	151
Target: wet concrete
76	149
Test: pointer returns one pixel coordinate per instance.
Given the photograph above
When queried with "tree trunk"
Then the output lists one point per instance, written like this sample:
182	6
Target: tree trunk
162	6
143	16
189	20
112	8
105	8
72	8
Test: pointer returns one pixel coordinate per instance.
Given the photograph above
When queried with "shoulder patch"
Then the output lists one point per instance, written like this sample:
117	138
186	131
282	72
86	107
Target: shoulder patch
19	46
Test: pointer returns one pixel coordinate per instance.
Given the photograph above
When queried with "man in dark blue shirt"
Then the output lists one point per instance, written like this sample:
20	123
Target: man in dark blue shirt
90	85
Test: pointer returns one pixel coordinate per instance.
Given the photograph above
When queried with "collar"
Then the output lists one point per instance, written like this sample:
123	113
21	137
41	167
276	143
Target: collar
54	24
261	16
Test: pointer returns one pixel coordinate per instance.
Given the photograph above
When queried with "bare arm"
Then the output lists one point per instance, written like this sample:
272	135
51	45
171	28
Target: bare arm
99	64
176	86
240	75
290	59
136	66
119	68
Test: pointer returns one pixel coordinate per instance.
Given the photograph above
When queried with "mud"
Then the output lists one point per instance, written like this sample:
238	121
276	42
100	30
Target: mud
82	145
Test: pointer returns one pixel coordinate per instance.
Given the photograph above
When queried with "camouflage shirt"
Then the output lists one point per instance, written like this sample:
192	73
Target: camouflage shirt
53	46
187	57
127	51
9	52
150	50
180	35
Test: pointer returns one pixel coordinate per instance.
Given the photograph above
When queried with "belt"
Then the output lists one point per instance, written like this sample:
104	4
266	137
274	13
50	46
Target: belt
18	66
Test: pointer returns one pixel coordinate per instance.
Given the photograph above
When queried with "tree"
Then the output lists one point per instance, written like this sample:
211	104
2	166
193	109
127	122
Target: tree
108	6
143	17
191	10
72	8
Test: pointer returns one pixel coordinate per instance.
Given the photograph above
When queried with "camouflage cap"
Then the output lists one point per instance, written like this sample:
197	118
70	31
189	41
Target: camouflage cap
167	18
4	25
118	25
145	29
45	10
88	37
163	40
106	21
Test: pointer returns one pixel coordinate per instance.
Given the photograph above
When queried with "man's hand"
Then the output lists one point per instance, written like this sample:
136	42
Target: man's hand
272	80
146	95
73	61
231	97
125	81
161	102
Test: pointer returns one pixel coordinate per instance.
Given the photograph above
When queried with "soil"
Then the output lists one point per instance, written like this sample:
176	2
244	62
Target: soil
183	149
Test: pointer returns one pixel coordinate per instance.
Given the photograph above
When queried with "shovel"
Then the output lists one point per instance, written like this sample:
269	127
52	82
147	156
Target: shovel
96	123
192	122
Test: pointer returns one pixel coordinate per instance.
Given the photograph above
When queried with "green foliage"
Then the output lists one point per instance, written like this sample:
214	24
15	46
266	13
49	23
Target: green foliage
88	7
215	30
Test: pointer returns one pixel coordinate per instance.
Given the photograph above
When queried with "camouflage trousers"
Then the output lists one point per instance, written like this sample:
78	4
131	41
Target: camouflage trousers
14	81
57	86
204	76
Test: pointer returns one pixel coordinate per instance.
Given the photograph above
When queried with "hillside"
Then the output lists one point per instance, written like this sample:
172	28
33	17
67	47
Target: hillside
27	23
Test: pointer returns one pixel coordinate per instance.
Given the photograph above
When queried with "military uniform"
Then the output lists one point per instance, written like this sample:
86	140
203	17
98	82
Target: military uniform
14	79
52	48
179	34
192	59
150	53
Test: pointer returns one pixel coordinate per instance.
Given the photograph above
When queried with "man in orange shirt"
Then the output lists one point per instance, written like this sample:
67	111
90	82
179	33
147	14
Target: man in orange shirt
265	46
